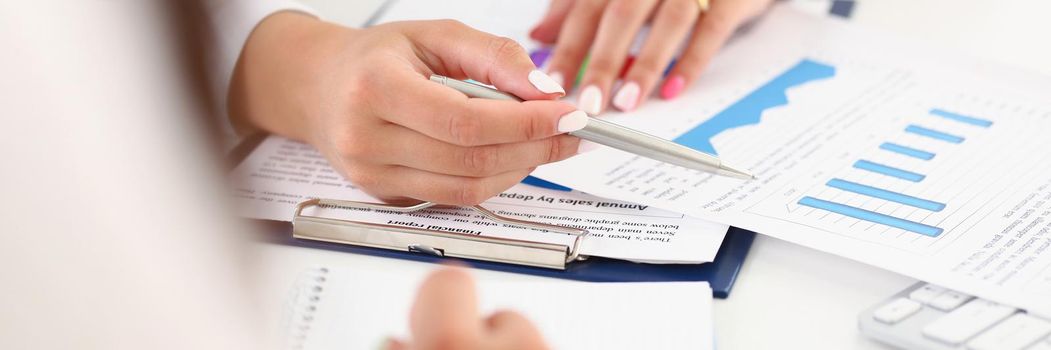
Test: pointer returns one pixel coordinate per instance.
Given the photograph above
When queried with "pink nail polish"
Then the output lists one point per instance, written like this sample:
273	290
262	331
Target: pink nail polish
673	87
590	100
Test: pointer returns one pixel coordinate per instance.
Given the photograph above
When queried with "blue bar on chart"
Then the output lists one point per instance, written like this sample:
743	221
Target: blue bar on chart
880	193
906	150
889	171
961	118
934	134
871	216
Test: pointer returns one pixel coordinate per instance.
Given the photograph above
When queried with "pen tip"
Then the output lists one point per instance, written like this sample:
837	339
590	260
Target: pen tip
736	173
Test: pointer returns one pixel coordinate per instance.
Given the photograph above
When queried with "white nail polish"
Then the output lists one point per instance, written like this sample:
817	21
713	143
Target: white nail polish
572	121
590	100
558	79
586	146
545	83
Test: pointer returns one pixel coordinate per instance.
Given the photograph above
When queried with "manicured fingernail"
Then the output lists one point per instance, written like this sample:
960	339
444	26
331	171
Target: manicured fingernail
586	146
572	121
672	87
627	97
558	79
545	83
590	100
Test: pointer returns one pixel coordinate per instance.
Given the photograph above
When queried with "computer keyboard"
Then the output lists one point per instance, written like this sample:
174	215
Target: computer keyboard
926	316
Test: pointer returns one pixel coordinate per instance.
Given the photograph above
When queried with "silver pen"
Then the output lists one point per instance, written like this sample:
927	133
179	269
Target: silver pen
609	134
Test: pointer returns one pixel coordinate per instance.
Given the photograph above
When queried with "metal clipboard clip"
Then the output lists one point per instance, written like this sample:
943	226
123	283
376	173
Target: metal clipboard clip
434	242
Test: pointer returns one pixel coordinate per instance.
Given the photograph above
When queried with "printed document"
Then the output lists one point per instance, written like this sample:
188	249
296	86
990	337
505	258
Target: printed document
280	173
918	160
923	162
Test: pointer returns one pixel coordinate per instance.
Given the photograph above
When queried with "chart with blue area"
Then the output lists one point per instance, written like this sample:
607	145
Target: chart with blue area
749	110
746	111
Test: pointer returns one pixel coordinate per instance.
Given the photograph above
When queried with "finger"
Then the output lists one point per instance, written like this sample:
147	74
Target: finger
448	115
457	50
445	314
391	181
547	30
620	23
672	23
408	148
511	330
574	40
710	33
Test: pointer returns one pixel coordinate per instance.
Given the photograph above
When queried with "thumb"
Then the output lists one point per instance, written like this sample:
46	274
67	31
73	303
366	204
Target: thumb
445	313
460	51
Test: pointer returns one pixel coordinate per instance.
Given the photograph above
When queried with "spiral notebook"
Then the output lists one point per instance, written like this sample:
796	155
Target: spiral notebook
346	308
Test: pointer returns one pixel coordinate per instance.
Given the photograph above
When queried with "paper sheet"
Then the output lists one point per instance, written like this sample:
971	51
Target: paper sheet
358	309
281	173
920	161
879	149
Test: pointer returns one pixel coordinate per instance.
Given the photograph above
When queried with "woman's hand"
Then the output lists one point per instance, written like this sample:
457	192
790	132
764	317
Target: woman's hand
363	98
445	316
603	31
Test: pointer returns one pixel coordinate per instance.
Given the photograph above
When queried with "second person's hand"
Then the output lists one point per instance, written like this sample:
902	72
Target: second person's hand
363	98
445	316
603	31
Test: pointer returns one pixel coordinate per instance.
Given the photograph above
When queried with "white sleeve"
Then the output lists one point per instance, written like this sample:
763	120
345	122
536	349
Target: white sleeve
232	21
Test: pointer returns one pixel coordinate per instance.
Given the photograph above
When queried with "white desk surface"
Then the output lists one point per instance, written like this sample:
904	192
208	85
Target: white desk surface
788	296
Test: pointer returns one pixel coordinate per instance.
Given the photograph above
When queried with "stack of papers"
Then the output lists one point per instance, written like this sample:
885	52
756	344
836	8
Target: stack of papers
890	152
885	151
877	149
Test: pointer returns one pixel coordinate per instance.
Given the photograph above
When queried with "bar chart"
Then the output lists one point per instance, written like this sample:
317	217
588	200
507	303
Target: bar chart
896	172
928	165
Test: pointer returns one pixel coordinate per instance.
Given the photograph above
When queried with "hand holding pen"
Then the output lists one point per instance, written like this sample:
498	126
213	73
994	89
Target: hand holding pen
619	137
362	97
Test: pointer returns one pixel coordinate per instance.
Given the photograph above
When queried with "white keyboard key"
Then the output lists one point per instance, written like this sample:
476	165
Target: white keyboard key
1016	332
963	323
926	293
896	310
949	300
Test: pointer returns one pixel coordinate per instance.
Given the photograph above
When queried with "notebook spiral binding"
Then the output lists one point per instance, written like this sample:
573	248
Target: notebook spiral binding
303	301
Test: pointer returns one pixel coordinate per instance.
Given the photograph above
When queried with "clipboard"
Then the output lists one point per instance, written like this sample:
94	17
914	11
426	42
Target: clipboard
720	273
437	242
492	253
548	260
